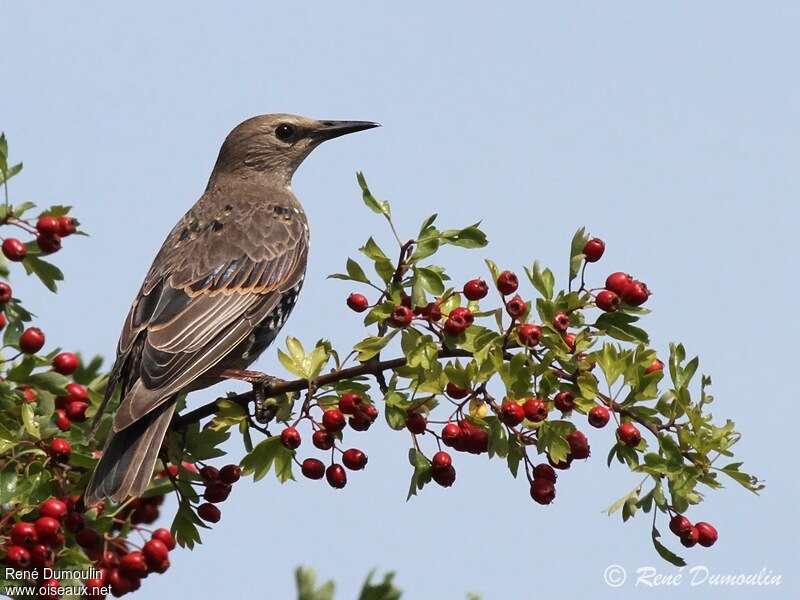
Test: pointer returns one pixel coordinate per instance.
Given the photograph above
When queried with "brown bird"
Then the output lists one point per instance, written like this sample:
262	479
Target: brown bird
219	290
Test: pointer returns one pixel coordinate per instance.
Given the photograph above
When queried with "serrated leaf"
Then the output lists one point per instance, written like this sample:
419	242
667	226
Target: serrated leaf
355	272
369	347
543	281
665	552
380	207
47	272
576	252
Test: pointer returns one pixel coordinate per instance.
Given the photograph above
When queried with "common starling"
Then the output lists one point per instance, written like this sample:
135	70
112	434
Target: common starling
219	290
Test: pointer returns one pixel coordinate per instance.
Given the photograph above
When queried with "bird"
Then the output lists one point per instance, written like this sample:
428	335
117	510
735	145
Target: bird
218	292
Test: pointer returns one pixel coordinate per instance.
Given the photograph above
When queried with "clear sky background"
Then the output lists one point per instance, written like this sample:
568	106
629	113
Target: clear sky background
670	131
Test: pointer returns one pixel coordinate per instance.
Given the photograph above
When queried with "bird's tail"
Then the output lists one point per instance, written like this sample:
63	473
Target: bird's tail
126	467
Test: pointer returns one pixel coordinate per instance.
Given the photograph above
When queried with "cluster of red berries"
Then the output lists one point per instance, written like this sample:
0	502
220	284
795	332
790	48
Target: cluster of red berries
690	535
35	544
49	232
72	407
218	485
351	410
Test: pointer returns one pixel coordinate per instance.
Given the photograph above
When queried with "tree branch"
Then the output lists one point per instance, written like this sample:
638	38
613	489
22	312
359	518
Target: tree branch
374	368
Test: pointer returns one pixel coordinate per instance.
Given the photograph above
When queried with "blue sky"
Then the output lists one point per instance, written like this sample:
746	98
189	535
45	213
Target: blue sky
670	131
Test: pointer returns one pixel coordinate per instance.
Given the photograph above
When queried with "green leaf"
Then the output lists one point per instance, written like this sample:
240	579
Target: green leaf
8	482
306	581
49	381
576	252
543	281
431	280
29	420
469	237
422	471
380	207
184	526
385	590
373	251
369	347
270	452
355	271
665	552
48	273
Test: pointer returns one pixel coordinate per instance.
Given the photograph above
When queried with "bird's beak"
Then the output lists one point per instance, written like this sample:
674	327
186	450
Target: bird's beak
332	129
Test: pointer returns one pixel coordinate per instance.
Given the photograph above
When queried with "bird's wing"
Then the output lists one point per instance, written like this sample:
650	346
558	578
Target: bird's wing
220	272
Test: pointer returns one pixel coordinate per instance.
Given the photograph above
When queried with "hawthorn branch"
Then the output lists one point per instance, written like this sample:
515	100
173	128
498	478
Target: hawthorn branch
374	368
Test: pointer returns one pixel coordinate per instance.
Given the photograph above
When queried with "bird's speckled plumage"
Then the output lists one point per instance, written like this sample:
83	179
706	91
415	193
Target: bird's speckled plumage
219	290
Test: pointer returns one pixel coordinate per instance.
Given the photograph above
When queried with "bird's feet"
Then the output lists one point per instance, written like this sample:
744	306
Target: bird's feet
262	386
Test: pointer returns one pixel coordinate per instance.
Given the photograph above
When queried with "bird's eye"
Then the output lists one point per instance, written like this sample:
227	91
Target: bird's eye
285	132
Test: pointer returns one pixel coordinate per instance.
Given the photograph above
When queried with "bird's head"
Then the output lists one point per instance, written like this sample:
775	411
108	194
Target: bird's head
277	144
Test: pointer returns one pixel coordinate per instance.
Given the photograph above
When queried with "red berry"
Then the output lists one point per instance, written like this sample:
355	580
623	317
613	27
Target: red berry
594	249
535	410
654	367
455	327
62	420
432	311
42	556
133	564
516	307
629	435
564	401
618	282
475	289
691	537
230	474
401	317
444	477
607	301
31	340
512	413
354	459
451	433
88	538
121	584
53	507
358	302
313	468
209	513
456	392
217	492
76	411
76	391
60	449
3	320
529	334
416	422
370	411
578	445
24	534
155	552
569	340
462	313
17	556
476	439
50	591
507	283
290	437
561	321
336	476
349	403
546	472
73	522
441	460
322	440
48	243
707	534
333	419
359	422
65	363
5	292
47	225
66	226
28	393
543	491
14	249
635	294
598	416
680	525
164	536
209	474
47	528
